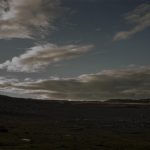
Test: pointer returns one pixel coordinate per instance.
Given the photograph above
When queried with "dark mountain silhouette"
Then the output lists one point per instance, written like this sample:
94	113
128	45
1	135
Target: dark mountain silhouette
130	101
13	105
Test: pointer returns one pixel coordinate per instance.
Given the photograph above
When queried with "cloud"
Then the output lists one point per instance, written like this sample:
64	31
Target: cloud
26	18
139	18
39	57
133	83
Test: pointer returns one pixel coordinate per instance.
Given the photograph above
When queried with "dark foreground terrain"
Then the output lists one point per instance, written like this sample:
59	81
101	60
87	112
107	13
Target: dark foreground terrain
54	125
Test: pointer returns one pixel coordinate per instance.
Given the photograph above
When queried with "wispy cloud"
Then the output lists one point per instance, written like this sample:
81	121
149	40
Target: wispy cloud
131	83
39	57
139	19
26	18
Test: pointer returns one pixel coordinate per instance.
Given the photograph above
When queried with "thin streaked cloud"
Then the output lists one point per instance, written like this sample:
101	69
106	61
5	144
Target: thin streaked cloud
39	57
139	18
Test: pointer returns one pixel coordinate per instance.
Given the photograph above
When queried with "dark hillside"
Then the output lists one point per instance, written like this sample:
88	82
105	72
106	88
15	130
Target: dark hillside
27	124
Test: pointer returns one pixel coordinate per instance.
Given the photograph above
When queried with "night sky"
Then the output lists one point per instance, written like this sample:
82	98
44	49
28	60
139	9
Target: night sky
75	49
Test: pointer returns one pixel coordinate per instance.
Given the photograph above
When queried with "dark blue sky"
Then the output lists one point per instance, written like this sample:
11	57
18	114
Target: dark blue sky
117	42
91	22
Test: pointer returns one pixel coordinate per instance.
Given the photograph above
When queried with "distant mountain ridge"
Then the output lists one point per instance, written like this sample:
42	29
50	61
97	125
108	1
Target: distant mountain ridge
147	100
130	101
61	108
